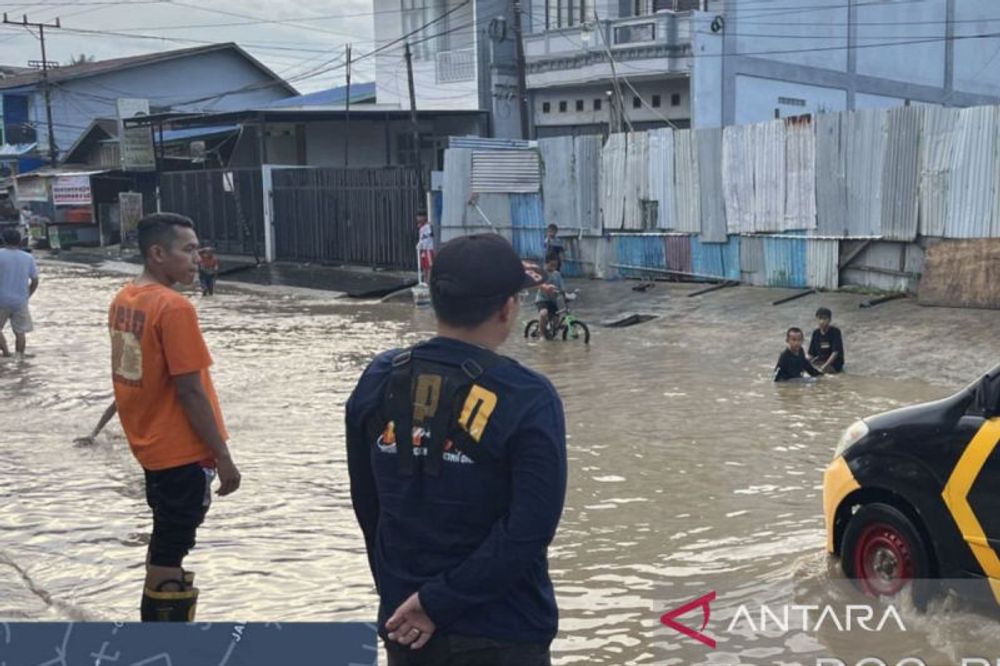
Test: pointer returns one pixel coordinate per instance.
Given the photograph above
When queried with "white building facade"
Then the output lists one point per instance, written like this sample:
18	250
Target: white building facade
708	63
463	58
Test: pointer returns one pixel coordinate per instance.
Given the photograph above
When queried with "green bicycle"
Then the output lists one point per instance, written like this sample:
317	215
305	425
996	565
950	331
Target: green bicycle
561	323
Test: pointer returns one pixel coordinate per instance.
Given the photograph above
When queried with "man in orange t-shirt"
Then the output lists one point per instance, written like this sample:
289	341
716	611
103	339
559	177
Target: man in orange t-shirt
168	408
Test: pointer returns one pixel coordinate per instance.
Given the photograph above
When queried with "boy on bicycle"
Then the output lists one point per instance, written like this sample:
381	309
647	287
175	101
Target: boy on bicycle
547	300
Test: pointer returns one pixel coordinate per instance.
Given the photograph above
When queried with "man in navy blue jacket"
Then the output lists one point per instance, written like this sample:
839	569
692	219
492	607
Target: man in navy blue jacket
457	516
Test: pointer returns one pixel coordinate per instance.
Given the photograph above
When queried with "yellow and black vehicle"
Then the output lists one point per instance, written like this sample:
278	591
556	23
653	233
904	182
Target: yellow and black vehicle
914	494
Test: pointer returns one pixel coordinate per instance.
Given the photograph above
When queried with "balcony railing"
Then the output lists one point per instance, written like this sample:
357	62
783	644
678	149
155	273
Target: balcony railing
662	28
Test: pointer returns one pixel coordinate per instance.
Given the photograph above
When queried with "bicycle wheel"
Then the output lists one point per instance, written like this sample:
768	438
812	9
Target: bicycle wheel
577	330
531	330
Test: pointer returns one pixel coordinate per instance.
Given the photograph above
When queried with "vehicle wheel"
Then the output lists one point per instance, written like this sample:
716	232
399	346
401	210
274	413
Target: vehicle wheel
578	331
531	330
883	551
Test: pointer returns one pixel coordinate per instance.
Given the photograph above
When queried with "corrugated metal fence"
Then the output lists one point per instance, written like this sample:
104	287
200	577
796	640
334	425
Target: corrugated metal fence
776	199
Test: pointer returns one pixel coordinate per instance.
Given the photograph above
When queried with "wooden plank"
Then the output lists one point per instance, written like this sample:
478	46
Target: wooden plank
962	273
853	254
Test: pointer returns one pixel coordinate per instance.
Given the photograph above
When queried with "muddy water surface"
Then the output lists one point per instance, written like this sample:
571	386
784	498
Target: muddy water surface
690	471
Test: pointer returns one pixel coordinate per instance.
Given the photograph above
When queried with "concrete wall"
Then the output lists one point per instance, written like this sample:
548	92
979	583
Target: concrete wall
772	29
759	97
706	77
868	54
977	65
177	84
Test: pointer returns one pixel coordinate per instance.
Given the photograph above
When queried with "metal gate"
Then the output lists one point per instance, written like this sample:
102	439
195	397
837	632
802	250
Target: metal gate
226	206
352	216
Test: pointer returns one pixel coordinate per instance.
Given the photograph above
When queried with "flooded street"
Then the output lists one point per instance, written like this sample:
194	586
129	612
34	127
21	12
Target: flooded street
690	471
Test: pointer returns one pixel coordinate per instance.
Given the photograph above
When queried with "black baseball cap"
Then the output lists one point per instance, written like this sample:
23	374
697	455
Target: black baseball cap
481	266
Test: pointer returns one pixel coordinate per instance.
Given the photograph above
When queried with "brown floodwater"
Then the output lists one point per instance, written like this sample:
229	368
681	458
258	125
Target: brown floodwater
690	471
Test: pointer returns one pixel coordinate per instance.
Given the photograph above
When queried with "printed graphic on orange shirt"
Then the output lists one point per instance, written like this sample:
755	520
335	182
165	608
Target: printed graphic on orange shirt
127	326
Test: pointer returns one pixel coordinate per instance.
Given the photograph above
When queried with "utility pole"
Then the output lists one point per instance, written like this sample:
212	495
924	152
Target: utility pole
347	117
53	154
522	86
416	126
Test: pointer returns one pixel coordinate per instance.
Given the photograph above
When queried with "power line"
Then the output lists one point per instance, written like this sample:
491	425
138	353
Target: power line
223	12
187	40
741	22
322	69
781	11
318	17
88	3
819	49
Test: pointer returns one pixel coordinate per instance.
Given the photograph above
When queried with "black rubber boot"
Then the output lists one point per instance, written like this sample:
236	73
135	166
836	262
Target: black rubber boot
176	605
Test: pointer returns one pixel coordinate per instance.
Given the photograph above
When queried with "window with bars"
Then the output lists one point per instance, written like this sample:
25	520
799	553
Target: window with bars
567	13
643	7
425	43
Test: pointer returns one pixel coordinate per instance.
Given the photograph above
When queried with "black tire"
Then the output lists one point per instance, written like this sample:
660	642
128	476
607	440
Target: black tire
883	551
531	330
580	331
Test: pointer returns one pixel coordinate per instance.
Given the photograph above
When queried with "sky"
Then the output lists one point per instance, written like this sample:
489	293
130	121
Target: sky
302	42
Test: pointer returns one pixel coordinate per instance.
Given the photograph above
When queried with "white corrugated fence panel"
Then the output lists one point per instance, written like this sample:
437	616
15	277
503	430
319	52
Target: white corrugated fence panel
661	176
558	188
496	209
752	260
505	171
636	179
831	175
866	142
713	200
737	178
822	263
455	191
769	176
687	196
486	143
613	158
937	145
971	195
800	173
901	173
995	226
587	180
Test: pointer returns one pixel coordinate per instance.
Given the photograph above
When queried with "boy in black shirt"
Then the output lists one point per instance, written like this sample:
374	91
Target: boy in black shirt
792	362
826	347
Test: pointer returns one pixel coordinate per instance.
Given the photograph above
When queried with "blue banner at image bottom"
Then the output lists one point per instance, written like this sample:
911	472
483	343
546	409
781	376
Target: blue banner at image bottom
194	644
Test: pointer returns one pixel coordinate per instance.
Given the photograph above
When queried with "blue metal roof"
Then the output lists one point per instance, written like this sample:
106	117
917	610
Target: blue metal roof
197	132
360	92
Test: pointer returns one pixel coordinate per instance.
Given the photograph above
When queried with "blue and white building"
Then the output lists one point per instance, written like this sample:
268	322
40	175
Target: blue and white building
712	63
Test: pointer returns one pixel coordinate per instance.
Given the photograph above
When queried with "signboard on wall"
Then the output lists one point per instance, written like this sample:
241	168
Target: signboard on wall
130	212
31	188
136	143
71	191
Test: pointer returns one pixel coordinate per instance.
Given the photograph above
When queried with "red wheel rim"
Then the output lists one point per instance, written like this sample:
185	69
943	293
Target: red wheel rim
883	560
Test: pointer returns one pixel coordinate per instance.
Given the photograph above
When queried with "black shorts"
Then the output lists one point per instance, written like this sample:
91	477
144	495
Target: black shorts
549	306
179	498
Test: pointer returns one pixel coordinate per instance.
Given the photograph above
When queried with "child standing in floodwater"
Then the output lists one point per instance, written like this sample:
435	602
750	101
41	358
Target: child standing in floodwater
826	347
208	270
793	362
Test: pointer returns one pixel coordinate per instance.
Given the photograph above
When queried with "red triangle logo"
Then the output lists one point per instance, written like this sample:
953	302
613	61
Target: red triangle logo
670	619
